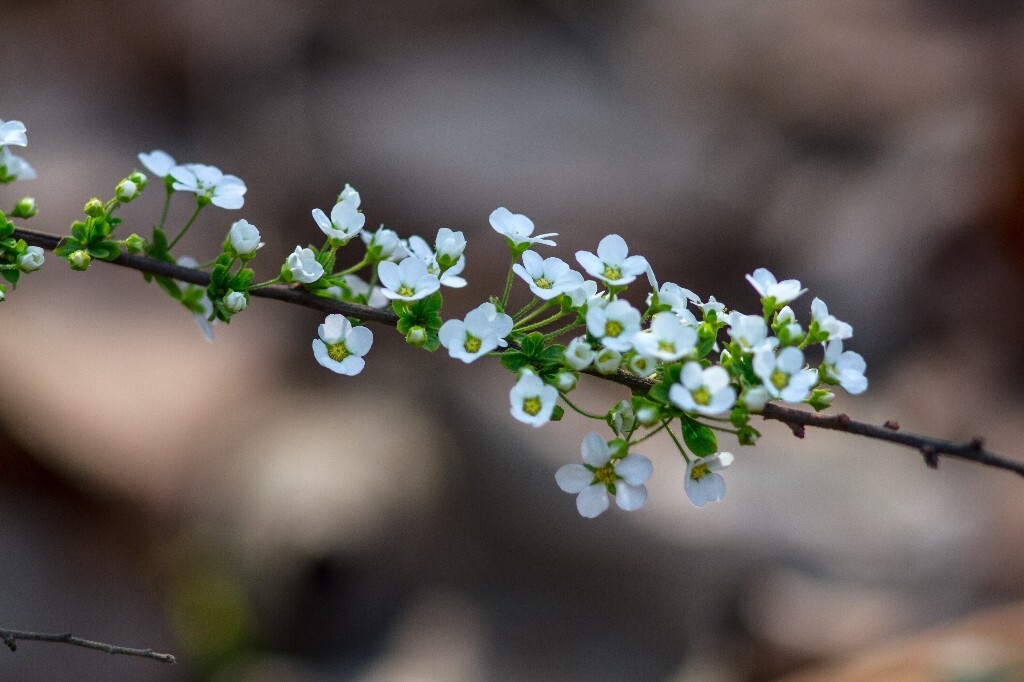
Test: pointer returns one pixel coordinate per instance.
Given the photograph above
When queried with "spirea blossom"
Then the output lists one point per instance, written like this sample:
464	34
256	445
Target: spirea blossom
385	244
483	330
209	184
31	260
667	339
345	222
547	277
408	280
773	291
13	133
418	248
244	238
616	324
703	390
703	483
13	167
612	265
517	228
532	400
830	327
579	354
845	367
303	266
157	162
341	346
784	375
600	474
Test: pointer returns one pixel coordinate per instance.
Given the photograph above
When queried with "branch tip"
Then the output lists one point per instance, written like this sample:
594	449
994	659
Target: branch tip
931	457
797	429
892	425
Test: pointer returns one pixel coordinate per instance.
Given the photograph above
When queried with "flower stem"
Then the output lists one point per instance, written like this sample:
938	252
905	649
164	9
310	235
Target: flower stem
355	268
542	323
649	434
679	446
526	308
508	283
185	229
580	411
566	328
167	204
265	284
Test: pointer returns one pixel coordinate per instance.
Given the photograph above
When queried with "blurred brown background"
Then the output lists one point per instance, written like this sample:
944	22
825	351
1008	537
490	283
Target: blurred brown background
265	519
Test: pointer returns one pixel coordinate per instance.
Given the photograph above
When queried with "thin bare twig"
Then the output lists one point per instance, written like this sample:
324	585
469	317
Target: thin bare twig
11	637
930	448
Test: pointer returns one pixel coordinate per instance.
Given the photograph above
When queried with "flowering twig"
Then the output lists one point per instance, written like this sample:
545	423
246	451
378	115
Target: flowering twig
930	448
11	637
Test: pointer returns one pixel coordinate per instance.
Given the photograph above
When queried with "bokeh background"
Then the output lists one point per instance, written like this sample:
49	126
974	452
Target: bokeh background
266	520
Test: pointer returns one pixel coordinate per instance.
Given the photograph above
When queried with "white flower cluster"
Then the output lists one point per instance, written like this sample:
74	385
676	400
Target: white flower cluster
12	166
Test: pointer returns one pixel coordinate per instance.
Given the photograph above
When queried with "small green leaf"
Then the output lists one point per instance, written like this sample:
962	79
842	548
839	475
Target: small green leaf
514	360
533	344
698	437
104	250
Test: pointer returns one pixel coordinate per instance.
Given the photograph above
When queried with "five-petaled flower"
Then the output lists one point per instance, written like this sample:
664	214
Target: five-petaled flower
209	185
774	294
345	222
703	390
784	375
341	346
612	265
517	228
615	324
844	367
703	484
483	330
605	471
303	267
547	277
667	339
408	280
532	400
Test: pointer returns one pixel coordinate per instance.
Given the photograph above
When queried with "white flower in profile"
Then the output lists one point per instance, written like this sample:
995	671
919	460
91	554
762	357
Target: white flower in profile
235	302
350	196
642	365
771	290
341	346
303	266
244	238
13	133
449	245
418	248
607	361
206	305
667	339
703	390
532	400
832	327
360	287
703	484
711	306
517	228
483	330
579	354
31	260
408	280
788	328
13	167
784	375
209	184
676	298
616	324
385	242
586	294
345	222
612	265
749	331
157	162
600	474
547	277
846	367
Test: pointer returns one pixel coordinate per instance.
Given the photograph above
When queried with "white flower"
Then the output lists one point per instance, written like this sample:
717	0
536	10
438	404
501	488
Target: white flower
206	305
591	482
360	287
157	162
341	346
616	324
408	280
608	361
585	295
748	331
303	266
209	184
350	196
532	400
483	330
386	242
517	228
702	484
579	354
667	340
833	328
13	167
234	302
612	264
13	133
449	245
703	390
547	277
676	298
755	398
418	248
623	418
345	222
773	291
711	306
846	367
788	328
642	365
784	375
244	238
31	260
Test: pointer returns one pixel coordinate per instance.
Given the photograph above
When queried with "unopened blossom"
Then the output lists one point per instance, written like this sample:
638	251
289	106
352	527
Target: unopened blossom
209	184
517	228
418	248
600	474
616	324
483	330
547	277
449	246
341	346
157	162
784	374
607	361
350	196
360	287
773	292
31	260
667	339
303	266
579	354
845	367
703	483
754	398
408	280
532	400
676	298
829	327
612	264
786	326
345	222
703	390
385	243
235	302
622	417
13	167
12	133
566	381
244	238
749	331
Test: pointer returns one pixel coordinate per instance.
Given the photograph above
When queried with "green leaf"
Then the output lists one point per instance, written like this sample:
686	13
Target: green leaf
219	277
698	437
431	304
552	356
104	250
67	246
432	342
748	435
533	344
169	286
11	276
78	230
514	360
705	347
241	280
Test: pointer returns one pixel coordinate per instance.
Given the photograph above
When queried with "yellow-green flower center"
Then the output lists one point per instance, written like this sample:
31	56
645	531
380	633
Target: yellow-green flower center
701	396
542	283
472	344
405	291
779	379
337	351
612	328
699	472
611	272
605	475
531	406
666	346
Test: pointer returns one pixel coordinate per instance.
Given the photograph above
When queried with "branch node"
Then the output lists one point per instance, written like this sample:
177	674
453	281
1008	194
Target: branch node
797	429
892	425
843	420
10	641
977	444
931	457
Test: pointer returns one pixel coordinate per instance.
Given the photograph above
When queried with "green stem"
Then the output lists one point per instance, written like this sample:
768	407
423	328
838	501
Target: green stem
558	332
648	435
355	268
265	284
542	323
167	204
526	308
679	446
535	313
580	411
508	283
181	234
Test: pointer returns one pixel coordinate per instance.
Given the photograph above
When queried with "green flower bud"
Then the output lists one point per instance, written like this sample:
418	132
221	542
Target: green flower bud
820	399
79	260
126	191
566	381
235	302
3	293
135	244
417	337
25	208
94	208
139	179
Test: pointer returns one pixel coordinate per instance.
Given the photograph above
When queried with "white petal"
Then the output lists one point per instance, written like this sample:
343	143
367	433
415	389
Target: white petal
595	450
634	469
592	501
630	497
359	341
573	478
612	249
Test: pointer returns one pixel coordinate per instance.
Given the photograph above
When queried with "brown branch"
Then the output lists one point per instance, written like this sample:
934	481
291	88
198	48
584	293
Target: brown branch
930	448
11	637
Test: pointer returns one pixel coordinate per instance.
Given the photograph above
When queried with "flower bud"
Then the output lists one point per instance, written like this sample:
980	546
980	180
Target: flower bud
754	398
135	244
648	415
565	381
821	399
417	337
94	208
235	302
25	208
139	179
244	238
3	293
641	365
622	419
608	361
31	260
79	260
126	191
